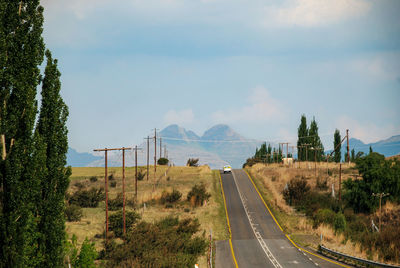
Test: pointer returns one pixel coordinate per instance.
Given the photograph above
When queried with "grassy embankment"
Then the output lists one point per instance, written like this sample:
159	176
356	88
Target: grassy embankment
211	216
271	180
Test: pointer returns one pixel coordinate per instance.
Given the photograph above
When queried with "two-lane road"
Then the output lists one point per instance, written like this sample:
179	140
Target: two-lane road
256	239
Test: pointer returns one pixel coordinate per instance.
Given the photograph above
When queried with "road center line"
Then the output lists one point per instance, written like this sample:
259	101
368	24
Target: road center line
256	233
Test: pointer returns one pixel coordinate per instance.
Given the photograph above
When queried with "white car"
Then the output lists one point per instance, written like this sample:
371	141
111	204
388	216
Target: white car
227	168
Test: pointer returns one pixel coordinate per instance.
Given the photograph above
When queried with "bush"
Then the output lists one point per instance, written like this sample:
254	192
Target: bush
322	184
172	197
116	221
111	177
192	162
326	216
116	204
93	179
113	184
295	191
198	195
73	213
313	201
87	198
162	161
79	185
140	175
87	255
167	243
339	223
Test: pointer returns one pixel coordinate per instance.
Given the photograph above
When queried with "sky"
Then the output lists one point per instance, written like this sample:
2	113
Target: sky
129	66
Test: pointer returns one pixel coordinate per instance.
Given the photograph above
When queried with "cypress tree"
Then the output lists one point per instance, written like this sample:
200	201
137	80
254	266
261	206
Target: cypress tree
51	127
269	153
315	141
302	132
21	50
336	146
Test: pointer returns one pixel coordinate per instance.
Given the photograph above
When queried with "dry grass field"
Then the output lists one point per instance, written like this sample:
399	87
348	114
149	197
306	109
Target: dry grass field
271	180
211	216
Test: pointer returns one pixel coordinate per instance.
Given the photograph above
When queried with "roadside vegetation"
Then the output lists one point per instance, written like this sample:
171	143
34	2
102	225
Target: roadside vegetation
185	205
306	207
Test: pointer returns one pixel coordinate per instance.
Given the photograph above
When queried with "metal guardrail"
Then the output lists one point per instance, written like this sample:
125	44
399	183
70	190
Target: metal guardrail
357	261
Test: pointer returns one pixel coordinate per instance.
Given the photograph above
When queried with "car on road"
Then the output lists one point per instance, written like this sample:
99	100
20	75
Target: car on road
227	169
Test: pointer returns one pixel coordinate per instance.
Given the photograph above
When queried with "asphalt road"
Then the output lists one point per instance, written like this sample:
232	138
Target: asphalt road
256	238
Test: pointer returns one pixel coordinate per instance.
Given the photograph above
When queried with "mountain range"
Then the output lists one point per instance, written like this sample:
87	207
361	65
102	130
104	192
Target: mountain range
218	146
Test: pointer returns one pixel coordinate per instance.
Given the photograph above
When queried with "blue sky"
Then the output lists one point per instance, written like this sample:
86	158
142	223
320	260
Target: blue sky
131	65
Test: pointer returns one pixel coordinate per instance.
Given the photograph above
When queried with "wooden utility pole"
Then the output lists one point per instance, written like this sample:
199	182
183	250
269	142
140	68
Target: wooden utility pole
136	171
148	156
105	150
155	158
380	195
160	147
340	182
315	160
348	149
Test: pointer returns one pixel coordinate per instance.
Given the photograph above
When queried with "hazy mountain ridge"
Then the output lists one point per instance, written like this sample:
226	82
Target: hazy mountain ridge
387	147
218	145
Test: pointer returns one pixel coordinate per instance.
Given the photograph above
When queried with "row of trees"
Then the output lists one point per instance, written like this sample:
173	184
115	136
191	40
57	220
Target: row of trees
309	140
33	177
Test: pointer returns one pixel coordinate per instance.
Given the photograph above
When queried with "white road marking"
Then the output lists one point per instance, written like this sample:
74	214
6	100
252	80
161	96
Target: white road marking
264	246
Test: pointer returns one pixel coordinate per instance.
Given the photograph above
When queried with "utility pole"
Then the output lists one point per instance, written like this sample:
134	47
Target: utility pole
315	160
380	195
340	182
160	148
348	149
105	150
136	171
155	158
148	156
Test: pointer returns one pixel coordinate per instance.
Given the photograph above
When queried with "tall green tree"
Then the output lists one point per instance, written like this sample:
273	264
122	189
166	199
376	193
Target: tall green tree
315	141
21	53
336	146
302	133
51	127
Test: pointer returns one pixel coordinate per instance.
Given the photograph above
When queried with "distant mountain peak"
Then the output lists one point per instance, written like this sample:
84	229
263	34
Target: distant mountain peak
221	132
176	132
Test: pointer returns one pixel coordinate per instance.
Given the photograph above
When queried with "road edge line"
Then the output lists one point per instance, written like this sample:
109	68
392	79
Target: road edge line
270	212
227	219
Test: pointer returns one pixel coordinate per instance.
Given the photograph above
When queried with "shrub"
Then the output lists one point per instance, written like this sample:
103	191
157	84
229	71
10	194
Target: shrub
198	195
111	177
326	216
113	184
116	221
162	161
140	175
339	223
167	243
79	185
87	198
87	255
93	179
295	191
73	213
116	204
322	184
192	162
172	197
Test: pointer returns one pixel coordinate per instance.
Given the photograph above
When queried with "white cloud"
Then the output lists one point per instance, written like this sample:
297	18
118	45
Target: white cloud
382	66
179	117
260	108
312	13
368	132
